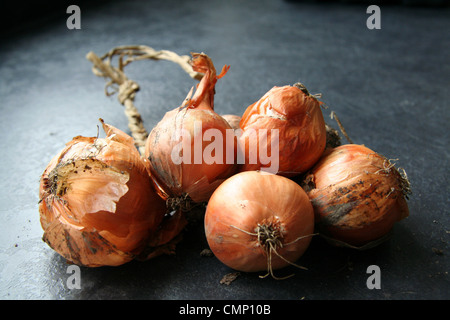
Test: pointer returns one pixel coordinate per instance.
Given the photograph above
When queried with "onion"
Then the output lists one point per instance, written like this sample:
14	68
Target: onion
185	162
296	133
98	205
357	195
258	221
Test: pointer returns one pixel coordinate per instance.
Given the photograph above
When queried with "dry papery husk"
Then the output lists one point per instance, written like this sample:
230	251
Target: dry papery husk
98	205
357	195
333	139
190	182
233	120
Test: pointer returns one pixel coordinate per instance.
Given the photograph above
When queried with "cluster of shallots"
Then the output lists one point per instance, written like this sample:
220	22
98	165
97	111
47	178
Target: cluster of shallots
348	194
102	203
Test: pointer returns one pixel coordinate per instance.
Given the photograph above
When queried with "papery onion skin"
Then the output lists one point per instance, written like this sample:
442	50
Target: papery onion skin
253	198
357	194
198	179
233	120
98	206
298	117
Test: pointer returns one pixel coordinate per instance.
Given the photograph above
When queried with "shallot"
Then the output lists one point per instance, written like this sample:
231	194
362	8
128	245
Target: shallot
283	132
98	205
357	195
259	221
188	149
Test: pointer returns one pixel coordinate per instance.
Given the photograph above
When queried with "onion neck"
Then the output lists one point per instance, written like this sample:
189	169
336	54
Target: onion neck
203	102
204	94
302	87
182	203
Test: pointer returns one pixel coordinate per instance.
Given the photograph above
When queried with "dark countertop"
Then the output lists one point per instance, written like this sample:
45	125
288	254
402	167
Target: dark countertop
390	88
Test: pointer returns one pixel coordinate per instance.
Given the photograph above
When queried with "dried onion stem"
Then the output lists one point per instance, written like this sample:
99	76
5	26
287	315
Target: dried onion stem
334	116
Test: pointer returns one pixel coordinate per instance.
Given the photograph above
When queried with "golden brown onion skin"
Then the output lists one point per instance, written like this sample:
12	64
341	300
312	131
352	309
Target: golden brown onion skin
98	205
247	200
302	133
191	175
357	194
196	178
233	120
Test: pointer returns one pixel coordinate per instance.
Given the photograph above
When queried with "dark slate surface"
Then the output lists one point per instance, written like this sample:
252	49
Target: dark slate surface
390	88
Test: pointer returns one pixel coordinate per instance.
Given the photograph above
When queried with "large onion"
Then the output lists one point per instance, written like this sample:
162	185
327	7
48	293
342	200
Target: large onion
186	162
357	195
98	205
286	125
256	221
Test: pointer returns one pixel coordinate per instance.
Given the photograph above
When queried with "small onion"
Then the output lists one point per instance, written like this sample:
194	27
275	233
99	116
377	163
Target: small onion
357	195
98	205
301	138
258	221
177	145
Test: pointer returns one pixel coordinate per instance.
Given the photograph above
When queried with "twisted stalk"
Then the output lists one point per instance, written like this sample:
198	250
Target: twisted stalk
126	88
